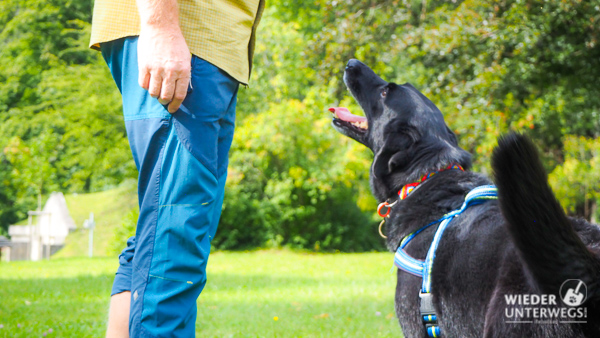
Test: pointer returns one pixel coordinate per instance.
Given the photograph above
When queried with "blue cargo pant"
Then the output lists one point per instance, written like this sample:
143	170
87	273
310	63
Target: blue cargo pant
182	164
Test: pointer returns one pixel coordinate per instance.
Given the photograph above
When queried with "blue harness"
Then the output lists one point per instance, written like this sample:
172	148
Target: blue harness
422	269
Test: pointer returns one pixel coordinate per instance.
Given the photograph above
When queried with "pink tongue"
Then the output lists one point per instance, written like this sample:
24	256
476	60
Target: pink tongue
345	115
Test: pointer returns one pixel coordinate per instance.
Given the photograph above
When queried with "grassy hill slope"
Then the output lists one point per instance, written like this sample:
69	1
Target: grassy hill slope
109	207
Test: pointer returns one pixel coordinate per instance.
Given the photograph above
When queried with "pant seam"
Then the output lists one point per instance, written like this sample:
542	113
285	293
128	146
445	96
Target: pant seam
168	123
232	104
182	205
171	279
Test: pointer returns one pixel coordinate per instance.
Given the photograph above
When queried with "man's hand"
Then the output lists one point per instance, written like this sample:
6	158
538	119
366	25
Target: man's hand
164	59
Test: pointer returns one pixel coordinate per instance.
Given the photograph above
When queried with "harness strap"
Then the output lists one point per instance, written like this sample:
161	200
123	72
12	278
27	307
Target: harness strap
423	269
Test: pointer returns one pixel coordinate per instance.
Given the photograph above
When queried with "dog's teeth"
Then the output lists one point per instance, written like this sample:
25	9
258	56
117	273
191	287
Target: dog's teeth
361	125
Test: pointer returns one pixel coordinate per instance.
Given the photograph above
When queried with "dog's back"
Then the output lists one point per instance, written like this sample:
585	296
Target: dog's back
550	244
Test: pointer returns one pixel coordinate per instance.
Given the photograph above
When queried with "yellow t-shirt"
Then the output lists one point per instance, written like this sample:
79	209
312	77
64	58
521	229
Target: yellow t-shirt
221	32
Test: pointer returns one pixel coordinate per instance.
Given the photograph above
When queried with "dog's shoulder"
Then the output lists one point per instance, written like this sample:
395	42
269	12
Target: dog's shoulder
446	190
437	196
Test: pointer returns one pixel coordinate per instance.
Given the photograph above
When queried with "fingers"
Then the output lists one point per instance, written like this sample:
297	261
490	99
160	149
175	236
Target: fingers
164	62
180	92
155	85
173	92
168	89
144	78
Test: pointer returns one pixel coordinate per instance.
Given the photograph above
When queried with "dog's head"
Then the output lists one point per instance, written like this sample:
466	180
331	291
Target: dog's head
402	127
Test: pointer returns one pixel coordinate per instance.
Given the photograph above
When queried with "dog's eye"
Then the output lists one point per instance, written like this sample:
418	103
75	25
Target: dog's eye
384	92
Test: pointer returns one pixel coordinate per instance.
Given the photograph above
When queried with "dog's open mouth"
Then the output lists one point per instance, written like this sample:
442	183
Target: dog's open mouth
343	116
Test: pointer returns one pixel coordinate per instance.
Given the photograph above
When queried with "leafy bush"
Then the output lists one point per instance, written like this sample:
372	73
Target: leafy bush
294	181
124	231
490	66
576	181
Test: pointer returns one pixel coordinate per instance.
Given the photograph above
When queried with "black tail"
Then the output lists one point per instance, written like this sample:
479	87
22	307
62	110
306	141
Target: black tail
552	250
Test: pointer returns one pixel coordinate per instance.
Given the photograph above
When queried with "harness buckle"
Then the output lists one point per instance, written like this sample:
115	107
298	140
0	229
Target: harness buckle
428	315
426	307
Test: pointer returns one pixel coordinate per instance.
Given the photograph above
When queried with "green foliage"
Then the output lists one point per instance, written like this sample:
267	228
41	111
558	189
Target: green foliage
577	180
293	183
279	72
61	126
124	231
490	66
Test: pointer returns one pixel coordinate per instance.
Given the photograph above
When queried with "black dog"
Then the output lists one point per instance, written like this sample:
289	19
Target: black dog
521	244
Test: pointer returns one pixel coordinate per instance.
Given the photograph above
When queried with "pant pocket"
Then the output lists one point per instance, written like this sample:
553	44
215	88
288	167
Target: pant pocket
187	198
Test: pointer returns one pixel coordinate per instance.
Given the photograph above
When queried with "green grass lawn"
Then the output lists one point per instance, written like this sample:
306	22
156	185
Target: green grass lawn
256	294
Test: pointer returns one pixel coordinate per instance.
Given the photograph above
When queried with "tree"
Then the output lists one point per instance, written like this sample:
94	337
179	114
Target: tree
577	180
61	125
295	182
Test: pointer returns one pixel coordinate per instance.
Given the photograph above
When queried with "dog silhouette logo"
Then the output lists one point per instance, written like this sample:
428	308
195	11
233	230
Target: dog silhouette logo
573	292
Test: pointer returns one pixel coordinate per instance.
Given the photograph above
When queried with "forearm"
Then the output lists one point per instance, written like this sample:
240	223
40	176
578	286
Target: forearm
159	14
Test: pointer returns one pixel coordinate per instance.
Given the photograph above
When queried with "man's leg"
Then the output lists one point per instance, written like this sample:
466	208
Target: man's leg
118	316
179	191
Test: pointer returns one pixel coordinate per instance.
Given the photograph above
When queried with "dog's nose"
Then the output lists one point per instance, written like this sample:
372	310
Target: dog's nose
352	63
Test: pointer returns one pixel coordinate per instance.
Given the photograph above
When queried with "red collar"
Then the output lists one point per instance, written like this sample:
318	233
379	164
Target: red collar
385	207
407	189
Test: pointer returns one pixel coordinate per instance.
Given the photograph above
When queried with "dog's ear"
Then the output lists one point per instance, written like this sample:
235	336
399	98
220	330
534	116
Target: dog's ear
395	153
406	147
386	161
